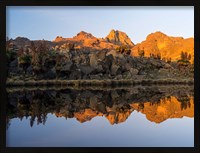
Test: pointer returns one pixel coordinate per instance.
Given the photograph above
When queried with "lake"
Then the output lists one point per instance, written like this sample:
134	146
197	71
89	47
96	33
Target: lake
139	116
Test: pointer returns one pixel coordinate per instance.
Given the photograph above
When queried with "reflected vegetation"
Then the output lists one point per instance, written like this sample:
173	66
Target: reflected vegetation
158	103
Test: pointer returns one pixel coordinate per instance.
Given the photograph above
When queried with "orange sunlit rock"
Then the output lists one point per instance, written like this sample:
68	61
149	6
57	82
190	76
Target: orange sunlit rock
87	115
167	108
166	46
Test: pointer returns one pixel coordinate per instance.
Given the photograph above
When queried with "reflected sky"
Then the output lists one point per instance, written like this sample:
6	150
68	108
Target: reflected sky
137	117
137	131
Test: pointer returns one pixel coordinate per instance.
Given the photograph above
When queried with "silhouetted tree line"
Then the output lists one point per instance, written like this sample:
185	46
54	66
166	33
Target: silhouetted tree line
185	59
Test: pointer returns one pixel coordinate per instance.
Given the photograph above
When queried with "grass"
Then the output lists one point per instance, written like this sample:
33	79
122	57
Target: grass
101	83
166	88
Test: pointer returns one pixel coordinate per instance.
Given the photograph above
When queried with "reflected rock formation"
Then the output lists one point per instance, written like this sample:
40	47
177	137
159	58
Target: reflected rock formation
116	105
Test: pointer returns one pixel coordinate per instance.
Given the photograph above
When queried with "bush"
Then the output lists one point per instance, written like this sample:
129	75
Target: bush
141	53
11	55
26	59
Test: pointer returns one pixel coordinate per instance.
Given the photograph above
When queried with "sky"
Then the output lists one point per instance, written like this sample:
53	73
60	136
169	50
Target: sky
45	22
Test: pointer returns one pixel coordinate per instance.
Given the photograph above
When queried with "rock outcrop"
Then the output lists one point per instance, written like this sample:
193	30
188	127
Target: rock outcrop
84	40
167	47
119	38
97	65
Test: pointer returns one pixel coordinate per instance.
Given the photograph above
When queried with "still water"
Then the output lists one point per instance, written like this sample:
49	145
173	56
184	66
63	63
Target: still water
153	116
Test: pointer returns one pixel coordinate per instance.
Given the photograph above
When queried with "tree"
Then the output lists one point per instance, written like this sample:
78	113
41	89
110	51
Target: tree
159	56
185	59
141	52
124	50
33	48
20	52
182	55
40	54
189	57
169	60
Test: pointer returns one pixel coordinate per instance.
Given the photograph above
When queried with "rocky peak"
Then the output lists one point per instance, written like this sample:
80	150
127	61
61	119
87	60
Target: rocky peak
169	47
156	35
21	39
58	38
84	35
119	38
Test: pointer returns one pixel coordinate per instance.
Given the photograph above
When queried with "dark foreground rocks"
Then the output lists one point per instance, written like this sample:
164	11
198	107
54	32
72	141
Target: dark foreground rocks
96	65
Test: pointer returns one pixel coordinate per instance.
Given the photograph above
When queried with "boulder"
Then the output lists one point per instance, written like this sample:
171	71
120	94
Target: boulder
127	67
50	74
114	69
13	66
14	63
29	70
101	107
127	75
86	69
108	60
119	77
99	69
155	63
114	53
134	71
101	55
75	75
66	66
93	60
93	102
167	66
96	77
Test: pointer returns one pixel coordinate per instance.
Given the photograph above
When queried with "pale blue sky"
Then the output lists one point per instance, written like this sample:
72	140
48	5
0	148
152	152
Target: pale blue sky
48	22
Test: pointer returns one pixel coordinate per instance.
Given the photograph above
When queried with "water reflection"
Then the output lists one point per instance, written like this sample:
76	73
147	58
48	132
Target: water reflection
156	102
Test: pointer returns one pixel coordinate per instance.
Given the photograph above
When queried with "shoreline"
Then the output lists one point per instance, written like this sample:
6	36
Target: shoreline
99	88
100	83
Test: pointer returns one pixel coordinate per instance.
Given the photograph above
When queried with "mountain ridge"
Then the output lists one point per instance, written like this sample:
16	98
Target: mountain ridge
157	43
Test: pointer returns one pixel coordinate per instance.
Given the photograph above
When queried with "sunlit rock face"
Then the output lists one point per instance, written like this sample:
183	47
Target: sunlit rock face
85	40
86	115
166	46
167	108
119	38
157	43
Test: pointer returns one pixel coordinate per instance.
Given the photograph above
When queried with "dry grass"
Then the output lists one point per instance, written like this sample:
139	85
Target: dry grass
101	83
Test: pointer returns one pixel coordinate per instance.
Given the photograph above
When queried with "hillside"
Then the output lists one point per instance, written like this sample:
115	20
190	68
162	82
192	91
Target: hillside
167	46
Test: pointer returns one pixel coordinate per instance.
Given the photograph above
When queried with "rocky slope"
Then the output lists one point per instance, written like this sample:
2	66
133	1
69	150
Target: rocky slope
166	46
94	65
